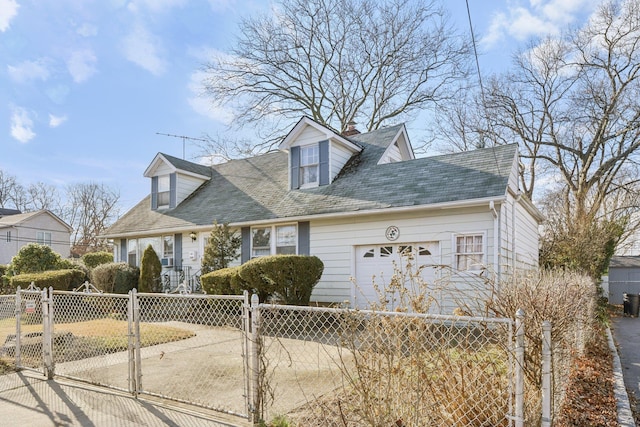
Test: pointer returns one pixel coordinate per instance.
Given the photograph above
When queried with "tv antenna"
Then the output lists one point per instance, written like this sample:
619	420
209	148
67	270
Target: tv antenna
184	138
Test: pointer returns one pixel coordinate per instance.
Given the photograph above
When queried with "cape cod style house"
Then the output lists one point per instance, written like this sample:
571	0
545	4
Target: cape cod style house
358	202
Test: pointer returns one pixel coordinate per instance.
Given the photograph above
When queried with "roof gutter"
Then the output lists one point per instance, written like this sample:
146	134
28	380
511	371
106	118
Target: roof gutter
482	202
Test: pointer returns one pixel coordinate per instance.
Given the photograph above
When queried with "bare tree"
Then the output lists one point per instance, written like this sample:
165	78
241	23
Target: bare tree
338	61
12	194
90	209
572	102
44	196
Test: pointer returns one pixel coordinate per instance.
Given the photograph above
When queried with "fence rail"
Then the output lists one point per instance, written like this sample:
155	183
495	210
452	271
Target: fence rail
318	366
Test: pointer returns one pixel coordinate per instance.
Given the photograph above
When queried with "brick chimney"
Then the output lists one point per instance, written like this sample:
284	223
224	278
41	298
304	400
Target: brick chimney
351	129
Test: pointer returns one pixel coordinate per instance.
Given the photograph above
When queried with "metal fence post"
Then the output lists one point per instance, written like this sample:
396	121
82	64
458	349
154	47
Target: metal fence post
547	390
255	359
246	348
136	340
131	344
47	332
18	328
519	410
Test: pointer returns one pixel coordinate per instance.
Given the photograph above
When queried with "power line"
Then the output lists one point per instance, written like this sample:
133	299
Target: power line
482	96
184	138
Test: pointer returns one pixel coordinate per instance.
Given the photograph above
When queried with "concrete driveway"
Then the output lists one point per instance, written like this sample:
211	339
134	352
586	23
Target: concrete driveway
28	399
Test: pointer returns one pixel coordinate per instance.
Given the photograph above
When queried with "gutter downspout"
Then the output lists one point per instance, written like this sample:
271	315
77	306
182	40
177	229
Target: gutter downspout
496	240
514	230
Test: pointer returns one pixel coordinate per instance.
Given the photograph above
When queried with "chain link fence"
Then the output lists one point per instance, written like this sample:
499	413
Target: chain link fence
91	338
332	367
316	366
193	349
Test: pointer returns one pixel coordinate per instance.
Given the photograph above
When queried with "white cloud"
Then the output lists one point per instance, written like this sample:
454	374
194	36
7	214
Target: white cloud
204	106
220	5
155	6
28	70
81	65
87	30
58	93
55	121
22	125
8	11
143	48
538	18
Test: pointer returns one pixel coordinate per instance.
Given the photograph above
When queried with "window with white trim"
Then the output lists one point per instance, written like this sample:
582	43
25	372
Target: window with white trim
309	161
43	238
167	246
469	252
277	239
164	187
132	252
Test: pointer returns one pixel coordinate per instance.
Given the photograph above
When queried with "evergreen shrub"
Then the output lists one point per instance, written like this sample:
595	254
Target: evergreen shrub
94	259
60	280
150	270
115	277
289	279
222	282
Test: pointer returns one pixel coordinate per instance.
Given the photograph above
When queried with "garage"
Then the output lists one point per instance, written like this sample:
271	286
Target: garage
377	263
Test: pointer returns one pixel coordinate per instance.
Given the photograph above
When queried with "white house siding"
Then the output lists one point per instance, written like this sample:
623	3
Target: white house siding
392	154
185	185
527	239
339	156
163	169
309	135
334	241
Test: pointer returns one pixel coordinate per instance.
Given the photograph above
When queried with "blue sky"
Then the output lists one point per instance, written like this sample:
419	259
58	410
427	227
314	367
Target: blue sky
86	85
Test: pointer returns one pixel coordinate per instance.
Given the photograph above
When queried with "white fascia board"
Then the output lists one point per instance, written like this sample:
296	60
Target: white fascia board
401	209
149	172
200	228
305	121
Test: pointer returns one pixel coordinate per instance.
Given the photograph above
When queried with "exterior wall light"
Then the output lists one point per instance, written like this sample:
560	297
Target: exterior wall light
193	236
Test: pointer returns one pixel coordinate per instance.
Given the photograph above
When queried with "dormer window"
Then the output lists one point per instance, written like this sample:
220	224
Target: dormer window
164	187
309	160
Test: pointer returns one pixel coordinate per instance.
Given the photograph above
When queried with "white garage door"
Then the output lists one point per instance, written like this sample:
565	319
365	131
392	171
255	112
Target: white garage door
376	264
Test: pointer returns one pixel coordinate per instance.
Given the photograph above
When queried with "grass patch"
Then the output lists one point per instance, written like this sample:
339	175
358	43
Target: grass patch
79	340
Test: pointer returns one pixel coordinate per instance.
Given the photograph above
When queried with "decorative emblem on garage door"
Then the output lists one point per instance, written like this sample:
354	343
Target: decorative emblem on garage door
392	233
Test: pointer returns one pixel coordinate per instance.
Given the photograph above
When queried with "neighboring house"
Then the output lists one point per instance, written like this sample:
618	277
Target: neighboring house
624	277
357	202
43	227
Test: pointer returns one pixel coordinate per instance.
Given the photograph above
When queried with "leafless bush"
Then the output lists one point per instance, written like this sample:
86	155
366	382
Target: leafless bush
403	367
569	301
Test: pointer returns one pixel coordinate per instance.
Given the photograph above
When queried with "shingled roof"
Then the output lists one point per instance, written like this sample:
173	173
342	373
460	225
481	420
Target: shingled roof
256	189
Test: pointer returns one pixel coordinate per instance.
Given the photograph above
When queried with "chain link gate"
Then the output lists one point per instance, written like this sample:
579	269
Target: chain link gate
186	348
204	361
31	343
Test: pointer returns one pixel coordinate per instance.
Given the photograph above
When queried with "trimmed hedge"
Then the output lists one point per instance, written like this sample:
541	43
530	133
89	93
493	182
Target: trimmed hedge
60	280
288	279
222	282
94	259
115	277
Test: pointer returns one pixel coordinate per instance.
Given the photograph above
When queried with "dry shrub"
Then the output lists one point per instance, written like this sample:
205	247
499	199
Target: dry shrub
407	369
566	299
